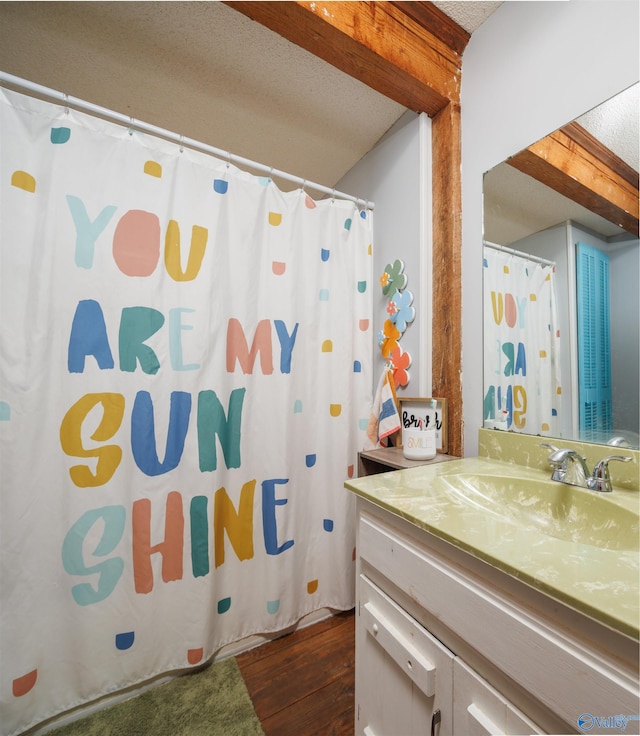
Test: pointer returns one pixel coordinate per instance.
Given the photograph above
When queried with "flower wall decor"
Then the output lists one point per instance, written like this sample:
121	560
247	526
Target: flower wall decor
401	314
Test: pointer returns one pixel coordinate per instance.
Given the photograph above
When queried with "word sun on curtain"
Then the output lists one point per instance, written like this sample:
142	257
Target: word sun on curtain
186	380
521	344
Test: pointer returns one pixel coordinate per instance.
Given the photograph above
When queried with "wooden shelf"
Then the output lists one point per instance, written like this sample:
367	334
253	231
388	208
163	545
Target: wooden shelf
383	459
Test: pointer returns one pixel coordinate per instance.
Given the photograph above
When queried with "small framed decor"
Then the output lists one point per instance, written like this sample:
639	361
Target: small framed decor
425	414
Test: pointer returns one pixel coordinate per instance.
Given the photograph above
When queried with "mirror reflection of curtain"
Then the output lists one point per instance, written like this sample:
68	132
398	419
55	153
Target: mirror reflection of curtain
522	344
594	354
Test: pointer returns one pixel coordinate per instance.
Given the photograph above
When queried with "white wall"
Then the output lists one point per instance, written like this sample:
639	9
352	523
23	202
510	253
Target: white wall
529	69
396	176
624	270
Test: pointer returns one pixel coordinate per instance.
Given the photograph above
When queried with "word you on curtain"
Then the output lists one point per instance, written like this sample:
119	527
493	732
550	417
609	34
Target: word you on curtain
522	389
185	363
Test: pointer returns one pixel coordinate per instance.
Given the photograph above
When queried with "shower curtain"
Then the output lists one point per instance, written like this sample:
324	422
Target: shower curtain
522	389
185	364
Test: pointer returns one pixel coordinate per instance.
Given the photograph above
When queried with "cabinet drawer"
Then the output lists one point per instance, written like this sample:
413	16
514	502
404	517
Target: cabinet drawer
403	674
479	710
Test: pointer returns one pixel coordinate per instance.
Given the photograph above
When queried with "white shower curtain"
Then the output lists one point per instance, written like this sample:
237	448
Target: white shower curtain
185	364
521	344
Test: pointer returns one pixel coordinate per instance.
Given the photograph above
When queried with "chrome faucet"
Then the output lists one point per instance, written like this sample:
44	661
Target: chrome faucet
571	468
601	480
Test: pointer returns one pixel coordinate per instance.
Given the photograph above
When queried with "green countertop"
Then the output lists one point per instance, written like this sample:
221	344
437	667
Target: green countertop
575	545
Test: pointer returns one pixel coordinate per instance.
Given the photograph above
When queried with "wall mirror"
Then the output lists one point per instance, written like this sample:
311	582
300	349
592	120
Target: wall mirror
550	208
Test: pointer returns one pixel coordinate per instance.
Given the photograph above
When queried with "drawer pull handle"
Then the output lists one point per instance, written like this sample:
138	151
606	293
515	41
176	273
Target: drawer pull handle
401	649
480	724
436	718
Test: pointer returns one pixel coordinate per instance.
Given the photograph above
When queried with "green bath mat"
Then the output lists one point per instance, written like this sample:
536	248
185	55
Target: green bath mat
211	702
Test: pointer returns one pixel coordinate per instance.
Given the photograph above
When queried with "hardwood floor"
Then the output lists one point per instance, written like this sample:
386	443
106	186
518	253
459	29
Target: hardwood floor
302	684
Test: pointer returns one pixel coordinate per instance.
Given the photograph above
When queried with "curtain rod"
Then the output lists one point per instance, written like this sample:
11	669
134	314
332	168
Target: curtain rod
521	254
103	112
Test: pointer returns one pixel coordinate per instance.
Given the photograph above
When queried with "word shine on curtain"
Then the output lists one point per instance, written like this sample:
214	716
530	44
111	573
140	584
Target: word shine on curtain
185	363
521	344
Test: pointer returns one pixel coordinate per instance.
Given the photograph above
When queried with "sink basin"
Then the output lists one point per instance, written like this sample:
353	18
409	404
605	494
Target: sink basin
576	545
557	510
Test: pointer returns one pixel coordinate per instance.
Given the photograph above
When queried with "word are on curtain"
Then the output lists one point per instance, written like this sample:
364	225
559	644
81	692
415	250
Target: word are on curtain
522	389
185	365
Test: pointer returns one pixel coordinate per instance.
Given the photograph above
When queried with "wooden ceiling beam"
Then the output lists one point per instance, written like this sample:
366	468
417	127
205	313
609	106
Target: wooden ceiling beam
379	43
572	162
428	16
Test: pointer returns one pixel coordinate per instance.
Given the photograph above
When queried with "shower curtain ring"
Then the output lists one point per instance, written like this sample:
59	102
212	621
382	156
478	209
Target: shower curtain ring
181	144
131	125
66	103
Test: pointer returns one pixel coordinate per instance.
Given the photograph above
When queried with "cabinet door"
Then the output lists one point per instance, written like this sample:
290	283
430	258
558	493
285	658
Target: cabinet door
404	677
479	710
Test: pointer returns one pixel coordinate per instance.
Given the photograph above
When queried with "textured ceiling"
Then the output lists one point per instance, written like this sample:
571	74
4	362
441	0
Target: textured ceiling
615	123
202	70
470	15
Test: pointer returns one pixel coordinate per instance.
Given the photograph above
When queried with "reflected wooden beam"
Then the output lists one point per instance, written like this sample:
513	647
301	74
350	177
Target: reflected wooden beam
572	162
410	52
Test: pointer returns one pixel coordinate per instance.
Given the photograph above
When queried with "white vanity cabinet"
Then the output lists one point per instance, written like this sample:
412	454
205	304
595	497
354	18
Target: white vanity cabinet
449	646
404	674
412	684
